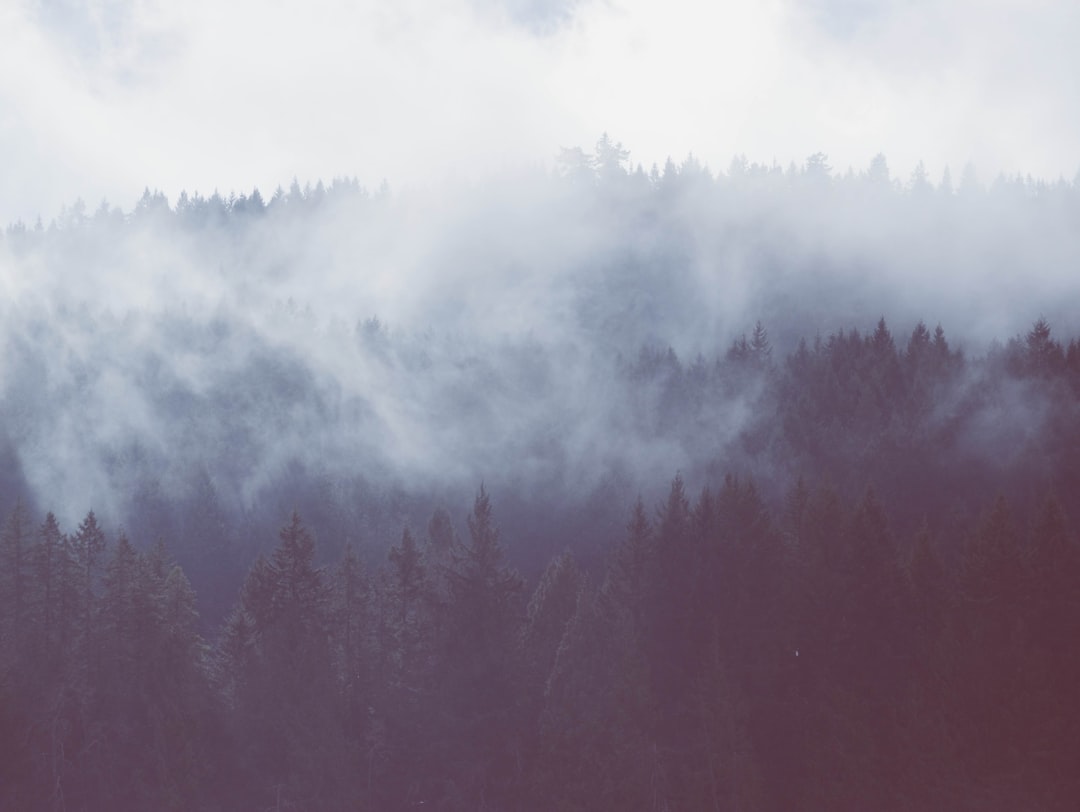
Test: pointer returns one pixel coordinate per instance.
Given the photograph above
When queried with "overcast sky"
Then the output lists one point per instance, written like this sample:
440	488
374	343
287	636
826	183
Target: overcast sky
99	98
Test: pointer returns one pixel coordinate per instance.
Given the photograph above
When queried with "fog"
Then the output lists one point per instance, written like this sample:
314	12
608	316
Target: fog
409	345
747	331
99	98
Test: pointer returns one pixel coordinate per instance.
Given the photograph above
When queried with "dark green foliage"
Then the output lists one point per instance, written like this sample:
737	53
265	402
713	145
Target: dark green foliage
117	709
870	644
550	610
353	643
480	664
278	672
594	749
406	678
724	661
15	568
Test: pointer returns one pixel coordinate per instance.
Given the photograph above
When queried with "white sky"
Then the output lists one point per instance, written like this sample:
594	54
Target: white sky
100	98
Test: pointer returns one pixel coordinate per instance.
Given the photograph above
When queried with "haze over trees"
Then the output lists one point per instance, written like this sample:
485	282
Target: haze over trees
600	489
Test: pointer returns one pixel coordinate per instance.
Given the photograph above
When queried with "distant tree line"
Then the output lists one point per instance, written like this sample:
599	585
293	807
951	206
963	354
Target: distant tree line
607	167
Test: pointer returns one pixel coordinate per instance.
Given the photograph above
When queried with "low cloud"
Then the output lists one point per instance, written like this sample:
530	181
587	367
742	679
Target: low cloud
101	98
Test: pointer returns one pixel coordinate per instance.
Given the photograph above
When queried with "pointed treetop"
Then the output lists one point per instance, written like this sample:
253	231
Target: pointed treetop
639	525
50	529
484	549
760	348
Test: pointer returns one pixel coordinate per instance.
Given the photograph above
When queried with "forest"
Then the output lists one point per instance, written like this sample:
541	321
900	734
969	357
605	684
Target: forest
597	489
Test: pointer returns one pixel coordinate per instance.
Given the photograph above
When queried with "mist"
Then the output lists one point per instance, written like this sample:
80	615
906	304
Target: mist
539	404
501	330
112	95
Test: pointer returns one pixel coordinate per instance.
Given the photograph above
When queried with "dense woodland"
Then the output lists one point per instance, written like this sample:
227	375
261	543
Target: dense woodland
640	552
724	652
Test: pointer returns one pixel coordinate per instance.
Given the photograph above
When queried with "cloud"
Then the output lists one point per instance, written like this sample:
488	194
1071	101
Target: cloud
253	94
542	17
988	82
103	97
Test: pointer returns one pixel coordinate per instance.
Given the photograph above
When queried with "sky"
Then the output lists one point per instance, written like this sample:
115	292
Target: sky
101	98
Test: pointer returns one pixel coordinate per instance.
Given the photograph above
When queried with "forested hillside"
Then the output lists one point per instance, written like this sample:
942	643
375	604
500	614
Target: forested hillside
724	655
604	489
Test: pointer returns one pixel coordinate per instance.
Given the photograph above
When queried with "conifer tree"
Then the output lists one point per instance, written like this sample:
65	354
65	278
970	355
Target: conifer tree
990	655
404	690
482	669
48	568
15	572
408	582
351	612
594	747
760	347
673	587
550	609
277	667
118	618
88	545
626	578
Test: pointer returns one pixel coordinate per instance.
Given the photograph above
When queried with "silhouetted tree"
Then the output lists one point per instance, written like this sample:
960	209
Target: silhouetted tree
481	668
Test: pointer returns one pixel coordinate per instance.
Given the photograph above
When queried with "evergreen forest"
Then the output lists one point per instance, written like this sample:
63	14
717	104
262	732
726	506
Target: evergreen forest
598	489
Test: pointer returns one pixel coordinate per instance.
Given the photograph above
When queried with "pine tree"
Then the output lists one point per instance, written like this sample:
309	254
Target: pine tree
760	346
47	568
180	619
442	541
1043	357
481	667
929	586
118	723
794	517
208	551
550	609
594	747
187	733
276	665
671	640
990	649
236	657
351	611
878	610
626	578
408	584
15	572
721	770
118	618
88	545
356	653
406	677
1051	713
